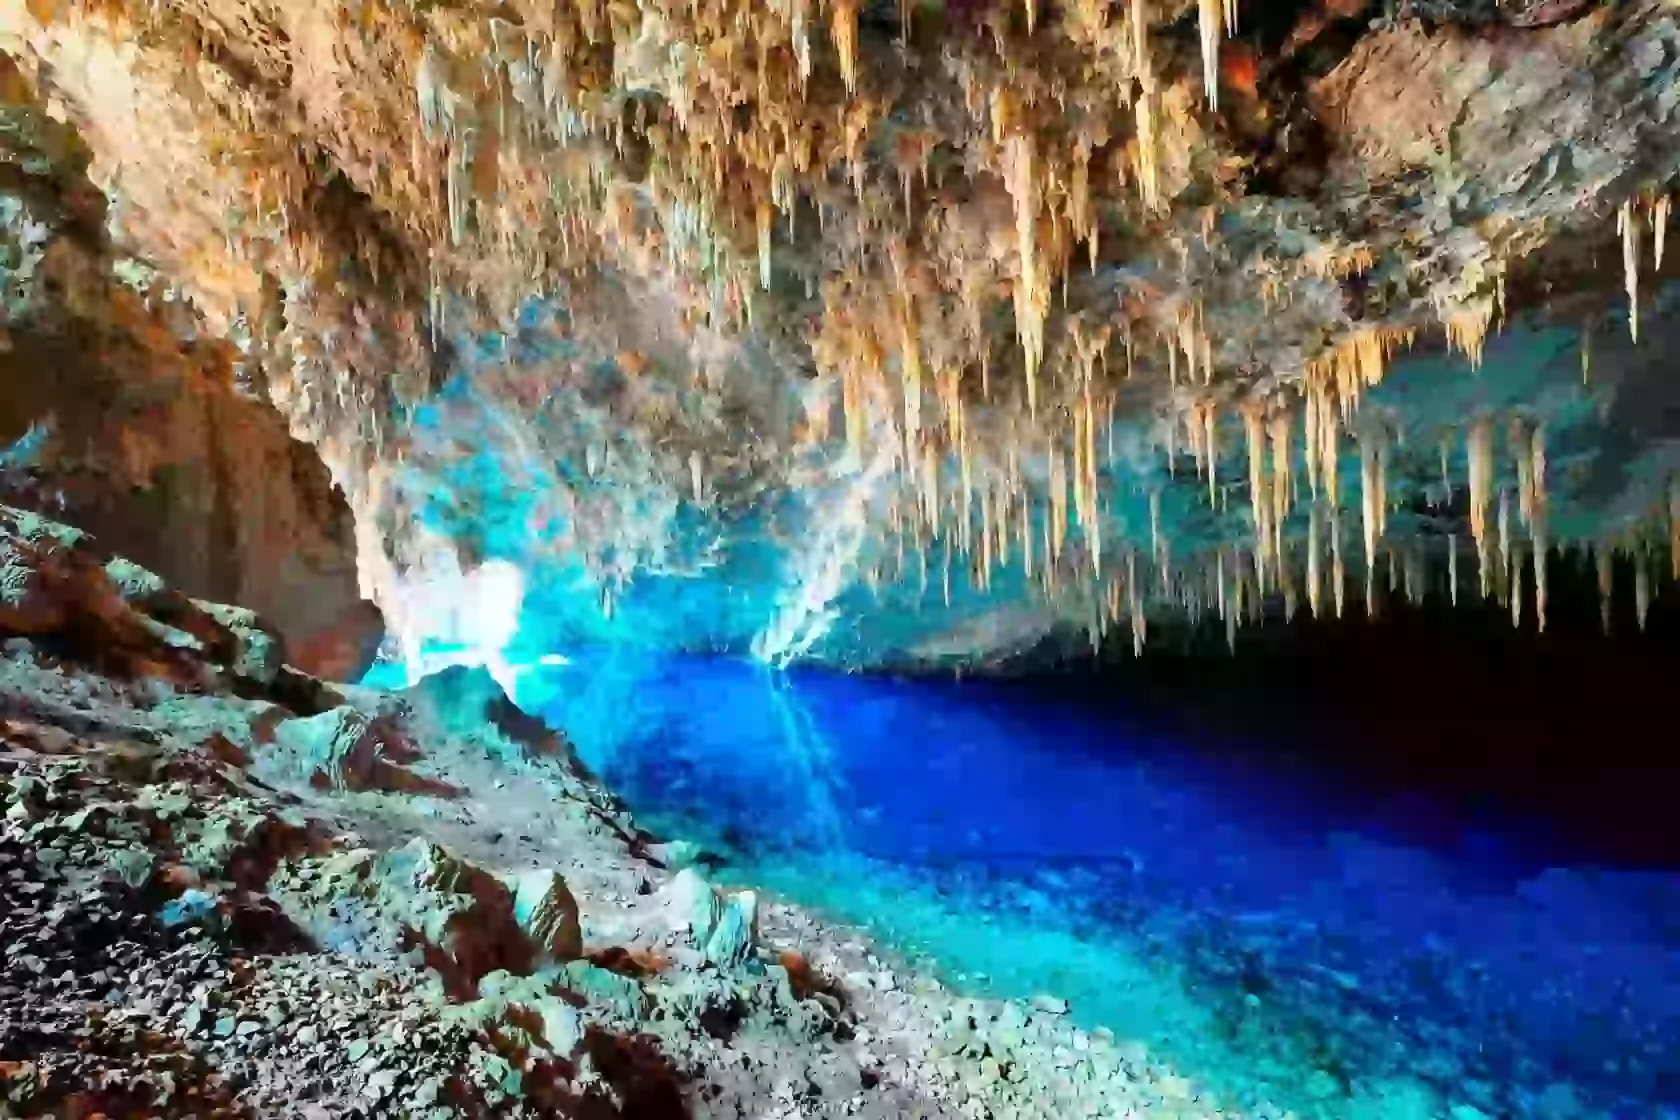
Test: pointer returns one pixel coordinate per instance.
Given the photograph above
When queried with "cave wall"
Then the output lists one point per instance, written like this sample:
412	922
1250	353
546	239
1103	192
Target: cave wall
117	416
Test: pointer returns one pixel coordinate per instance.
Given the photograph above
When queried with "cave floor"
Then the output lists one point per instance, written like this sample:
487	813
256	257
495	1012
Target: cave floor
1281	944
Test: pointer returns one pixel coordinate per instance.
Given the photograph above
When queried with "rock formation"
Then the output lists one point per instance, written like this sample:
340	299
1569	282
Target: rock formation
879	332
119	412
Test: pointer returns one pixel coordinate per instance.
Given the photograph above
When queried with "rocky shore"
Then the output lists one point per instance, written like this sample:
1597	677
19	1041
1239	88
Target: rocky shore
232	889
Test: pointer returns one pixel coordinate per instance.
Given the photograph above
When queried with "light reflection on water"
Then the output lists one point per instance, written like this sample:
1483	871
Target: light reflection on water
1261	934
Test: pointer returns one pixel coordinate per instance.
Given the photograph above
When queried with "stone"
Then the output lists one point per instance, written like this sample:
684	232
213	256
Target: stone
621	995
694	905
337	748
259	653
546	910
731	939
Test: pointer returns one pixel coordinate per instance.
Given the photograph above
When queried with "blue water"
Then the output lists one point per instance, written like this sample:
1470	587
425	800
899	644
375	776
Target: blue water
1273	939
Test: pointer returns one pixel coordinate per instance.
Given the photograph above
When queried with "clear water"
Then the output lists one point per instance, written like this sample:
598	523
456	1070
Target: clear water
1274	940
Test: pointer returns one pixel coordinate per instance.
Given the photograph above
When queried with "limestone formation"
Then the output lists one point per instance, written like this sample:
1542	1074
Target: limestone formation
955	310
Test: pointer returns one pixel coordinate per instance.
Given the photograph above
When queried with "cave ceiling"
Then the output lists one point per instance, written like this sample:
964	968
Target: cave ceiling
912	332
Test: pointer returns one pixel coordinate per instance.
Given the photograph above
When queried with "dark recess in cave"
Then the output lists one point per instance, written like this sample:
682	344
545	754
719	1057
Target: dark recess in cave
1441	719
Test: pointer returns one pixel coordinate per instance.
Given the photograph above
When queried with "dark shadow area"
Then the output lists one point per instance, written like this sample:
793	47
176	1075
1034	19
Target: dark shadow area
640	1074
1436	718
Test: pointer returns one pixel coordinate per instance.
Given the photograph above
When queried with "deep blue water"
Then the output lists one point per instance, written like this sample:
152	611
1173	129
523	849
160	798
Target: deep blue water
1273	937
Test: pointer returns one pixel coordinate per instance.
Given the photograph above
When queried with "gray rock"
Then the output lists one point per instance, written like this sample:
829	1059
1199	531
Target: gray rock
546	910
731	940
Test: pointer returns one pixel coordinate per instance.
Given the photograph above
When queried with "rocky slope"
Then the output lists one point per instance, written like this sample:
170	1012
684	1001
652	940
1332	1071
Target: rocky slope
231	889
875	332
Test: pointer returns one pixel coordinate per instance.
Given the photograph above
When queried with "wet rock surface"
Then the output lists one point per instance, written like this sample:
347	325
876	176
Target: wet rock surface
202	917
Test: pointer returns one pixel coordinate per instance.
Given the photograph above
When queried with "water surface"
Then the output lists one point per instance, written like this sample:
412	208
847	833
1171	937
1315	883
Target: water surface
1277	938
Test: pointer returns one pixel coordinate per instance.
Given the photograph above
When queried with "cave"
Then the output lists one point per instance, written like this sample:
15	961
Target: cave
825	558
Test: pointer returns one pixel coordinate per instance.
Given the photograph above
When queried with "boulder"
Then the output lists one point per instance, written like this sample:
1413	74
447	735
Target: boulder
547	912
337	749
723	929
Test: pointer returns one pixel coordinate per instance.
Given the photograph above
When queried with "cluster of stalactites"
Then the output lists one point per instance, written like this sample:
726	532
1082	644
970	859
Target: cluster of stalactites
998	515
1656	211
1499	554
1240	585
980	489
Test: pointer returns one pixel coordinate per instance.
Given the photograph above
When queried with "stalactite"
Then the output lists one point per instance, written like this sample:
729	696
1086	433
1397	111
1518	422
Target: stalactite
910	369
1371	502
1211	438
930	484
1627	224
1310	435
1479	452
1231	618
1338	569
1260	501
1538	528
1641	589
1283	479
945	573
1467	332
1146	112
1026	538
844	17
1372	606
1000	526
1286	583
1057	524
1330	445
1135	605
1223	599
1523	460
1606	587
1452	568
1032	299
1314	579
1659	225
1515	582
1505	533
1155	524
1212	19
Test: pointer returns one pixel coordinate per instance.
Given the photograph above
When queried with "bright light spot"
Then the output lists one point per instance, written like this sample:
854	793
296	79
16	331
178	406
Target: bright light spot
456	618
554	659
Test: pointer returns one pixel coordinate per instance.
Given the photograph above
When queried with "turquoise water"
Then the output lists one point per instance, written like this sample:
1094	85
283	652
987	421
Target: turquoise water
1275	940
